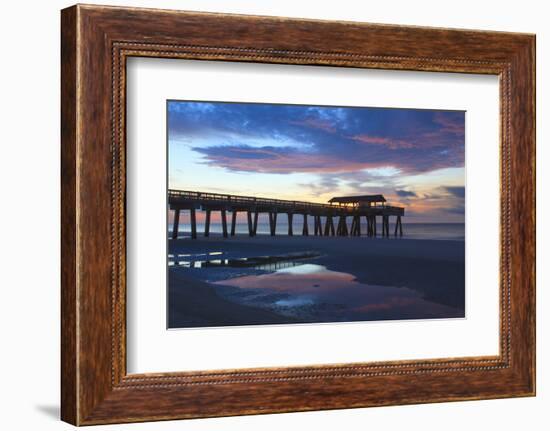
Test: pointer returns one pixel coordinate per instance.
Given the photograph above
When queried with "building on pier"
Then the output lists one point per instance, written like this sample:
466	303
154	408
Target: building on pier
359	201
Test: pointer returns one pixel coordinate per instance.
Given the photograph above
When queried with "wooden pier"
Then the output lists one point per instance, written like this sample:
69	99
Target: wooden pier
338	210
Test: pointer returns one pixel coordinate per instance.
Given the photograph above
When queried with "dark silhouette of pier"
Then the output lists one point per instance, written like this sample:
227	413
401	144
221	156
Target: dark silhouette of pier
325	216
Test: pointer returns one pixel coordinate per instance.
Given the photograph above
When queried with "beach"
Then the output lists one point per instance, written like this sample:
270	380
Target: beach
282	279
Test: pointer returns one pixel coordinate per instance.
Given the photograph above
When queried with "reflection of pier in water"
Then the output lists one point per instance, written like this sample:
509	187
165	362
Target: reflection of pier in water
216	260
340	208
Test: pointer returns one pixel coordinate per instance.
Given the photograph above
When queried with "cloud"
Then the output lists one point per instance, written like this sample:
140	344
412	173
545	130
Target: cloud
315	123
327	184
457	191
329	159
405	194
450	122
384	141
282	160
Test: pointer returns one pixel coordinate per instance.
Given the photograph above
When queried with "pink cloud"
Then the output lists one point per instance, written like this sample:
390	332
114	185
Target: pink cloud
267	161
449	124
391	143
316	124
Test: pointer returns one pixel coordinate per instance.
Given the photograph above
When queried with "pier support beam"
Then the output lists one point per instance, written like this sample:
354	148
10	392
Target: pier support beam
193	223
207	223
398	225
249	220
290	232
369	225
342	227
255	225
315	225
356	226
233	222
386	226
224	223
176	224
329	226
305	229
318	225
273	223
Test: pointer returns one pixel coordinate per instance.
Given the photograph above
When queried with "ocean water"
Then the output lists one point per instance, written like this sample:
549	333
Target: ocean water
434	231
446	231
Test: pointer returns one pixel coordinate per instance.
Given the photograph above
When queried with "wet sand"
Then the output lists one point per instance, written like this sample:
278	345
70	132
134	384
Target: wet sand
433	268
195	303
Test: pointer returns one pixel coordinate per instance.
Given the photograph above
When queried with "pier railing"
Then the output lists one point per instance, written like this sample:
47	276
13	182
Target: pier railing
236	200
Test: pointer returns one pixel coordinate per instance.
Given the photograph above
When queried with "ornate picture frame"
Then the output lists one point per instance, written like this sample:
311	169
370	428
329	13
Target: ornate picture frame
96	41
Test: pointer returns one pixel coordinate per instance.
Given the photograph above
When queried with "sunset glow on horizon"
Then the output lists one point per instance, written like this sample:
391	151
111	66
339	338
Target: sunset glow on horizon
415	158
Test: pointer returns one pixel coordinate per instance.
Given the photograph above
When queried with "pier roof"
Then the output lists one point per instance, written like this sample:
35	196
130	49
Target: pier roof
358	199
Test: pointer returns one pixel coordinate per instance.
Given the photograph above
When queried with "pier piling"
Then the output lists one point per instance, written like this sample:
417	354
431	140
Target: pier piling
224	223
207	223
233	222
398	225
318	226
290	215
255	225
175	226
249	220
305	229
329	226
356	226
193	223
273	223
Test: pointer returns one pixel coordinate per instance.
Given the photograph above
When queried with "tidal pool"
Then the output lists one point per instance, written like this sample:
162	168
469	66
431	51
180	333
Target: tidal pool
311	293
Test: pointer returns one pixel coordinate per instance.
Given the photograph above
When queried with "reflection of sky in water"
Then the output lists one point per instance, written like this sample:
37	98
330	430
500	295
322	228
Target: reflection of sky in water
293	302
313	293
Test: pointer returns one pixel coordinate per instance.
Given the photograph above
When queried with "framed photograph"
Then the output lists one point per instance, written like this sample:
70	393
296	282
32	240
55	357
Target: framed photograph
264	215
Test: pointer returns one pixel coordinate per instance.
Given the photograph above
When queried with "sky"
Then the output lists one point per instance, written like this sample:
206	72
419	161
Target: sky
415	158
